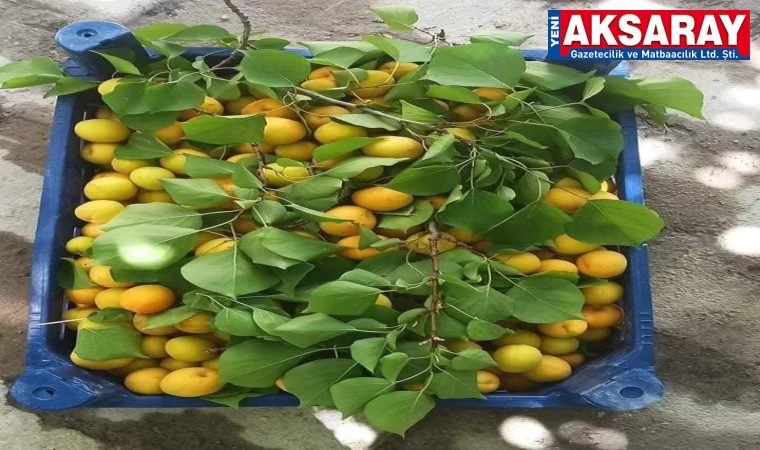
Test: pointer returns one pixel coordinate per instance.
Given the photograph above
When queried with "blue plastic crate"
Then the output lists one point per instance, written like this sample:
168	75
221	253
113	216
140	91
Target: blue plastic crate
620	380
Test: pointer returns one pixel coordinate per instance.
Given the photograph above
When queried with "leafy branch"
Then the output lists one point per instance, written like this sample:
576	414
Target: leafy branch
243	41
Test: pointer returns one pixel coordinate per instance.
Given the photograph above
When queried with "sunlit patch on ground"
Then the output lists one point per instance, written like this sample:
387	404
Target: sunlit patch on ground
526	433
654	150
742	240
349	432
718	177
746	163
599	438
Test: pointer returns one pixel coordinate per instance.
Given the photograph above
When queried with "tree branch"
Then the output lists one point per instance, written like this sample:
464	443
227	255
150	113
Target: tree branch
437	303
246	21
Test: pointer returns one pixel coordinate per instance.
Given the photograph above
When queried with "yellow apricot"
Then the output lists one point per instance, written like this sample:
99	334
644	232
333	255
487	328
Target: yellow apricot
352	252
462	235
215	245
524	337
126	166
379	198
595	335
557	265
609	185
383	300
191	382
517	358
512	382
548	370
462	133
98	211
110	188
320	84
234	107
467	113
487	382
436	200
602	195
376	84
568	183
603	294
398	70
174	364
356	215
211	364
171	134
134	366
244	226
564	329
91	229
280	383
150	177
568	246
154	346
108	364
190	348
79	245
104	112
323	72
147	196
526	263
279	176
330	163
147	299
146	381
319	115
370	174
568	200
420	243
299	151
602	264
239	157
371	101
334	131
456	345
101	131
102	275
394	147
279	131
85	263
496	95
558	346
176	162
604	316
108	86
574	359
198	323
270	108
140	322
109	298
98	153
77	316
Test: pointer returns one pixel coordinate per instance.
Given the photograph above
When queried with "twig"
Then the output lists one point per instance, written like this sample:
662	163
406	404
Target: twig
352	107
260	163
246	21
436	304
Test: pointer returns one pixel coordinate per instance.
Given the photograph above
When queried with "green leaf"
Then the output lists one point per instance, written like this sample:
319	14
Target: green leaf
594	85
400	50
142	146
398	411
341	147
34	72
354	166
343	57
155	214
534	224
350	395
429	180
367	352
410	85
158	30
456	384
451	328
149	122
236	322
258	363
108	342
318	193
198	33
592	139
343	297
274	68
614	222
176	96
416	114
482	302
311	382
478	330
472	359
72	276
244	178
268	320
232	396
552	76
121	65
199	167
546	300
270	43
319	47
656	113
368	121
228	273
170	317
289	245
512	39
268	212
531	187
143	247
110	315
476	65
314	215
453	93
366	237
477	211
203	193
305	331
422	211
70	85
206	301
223	130
673	93
391	365
397	18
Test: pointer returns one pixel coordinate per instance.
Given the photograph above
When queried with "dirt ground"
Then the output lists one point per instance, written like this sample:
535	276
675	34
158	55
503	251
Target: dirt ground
701	176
